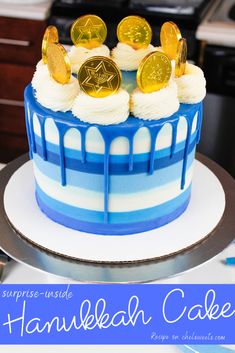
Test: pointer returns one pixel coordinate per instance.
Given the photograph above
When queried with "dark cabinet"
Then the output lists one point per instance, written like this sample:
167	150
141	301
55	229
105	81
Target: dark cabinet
20	49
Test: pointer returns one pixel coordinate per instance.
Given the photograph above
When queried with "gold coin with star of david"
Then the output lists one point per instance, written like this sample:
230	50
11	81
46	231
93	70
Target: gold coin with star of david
154	72
181	58
134	31
50	36
169	37
99	77
88	31
58	63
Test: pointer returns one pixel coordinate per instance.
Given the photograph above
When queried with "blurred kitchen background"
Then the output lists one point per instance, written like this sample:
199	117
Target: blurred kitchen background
208	26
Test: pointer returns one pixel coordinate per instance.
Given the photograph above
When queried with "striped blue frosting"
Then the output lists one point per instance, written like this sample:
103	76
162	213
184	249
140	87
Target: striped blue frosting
126	183
112	176
120	223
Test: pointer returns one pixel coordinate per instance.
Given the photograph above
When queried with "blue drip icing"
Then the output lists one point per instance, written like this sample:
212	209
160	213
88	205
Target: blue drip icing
33	143
154	134
62	131
199	122
174	135
42	127
186	151
127	129
131	156
27	117
83	132
106	181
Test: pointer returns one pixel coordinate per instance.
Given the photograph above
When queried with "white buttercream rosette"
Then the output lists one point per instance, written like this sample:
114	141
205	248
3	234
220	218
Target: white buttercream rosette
78	55
128	58
192	85
51	94
112	109
155	105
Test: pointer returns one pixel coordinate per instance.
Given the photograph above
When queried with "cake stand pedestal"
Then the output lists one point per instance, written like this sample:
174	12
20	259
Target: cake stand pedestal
135	271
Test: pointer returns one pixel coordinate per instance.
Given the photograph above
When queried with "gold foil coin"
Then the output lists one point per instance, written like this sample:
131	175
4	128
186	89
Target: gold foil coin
134	31
50	36
88	31
58	63
181	58
99	77
169	37
154	72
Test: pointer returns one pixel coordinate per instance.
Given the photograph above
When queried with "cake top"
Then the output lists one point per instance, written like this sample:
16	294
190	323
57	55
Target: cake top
92	83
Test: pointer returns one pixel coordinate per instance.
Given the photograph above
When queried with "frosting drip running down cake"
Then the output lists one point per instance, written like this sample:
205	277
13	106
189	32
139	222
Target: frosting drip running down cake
111	163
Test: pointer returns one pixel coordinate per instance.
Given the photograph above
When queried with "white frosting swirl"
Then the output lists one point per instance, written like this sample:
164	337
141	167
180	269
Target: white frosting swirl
155	105
109	110
78	55
39	75
191	85
54	95
127	58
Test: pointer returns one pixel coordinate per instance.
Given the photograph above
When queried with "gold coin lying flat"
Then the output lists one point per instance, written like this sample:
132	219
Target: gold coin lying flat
181	58
50	36
134	31
154	72
99	77
88	31
169	37
58	63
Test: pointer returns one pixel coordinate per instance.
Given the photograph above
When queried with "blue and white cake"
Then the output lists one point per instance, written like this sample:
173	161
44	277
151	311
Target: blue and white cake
116	165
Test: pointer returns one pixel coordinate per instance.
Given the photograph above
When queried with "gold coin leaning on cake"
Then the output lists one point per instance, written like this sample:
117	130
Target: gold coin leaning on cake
88	34
156	94
169	37
190	80
58	88
50	36
101	100
58	63
154	72
181	58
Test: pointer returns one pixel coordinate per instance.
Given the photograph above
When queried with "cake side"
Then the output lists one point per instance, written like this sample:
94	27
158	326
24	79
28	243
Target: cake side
116	179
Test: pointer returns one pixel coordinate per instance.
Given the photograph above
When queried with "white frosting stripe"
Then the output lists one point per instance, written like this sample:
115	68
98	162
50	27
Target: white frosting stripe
128	58
92	200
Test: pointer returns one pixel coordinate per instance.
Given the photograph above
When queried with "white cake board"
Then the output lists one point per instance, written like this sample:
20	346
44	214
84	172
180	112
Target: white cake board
201	217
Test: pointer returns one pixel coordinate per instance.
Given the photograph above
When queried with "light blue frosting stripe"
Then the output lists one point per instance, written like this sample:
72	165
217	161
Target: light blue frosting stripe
121	184
99	158
114	217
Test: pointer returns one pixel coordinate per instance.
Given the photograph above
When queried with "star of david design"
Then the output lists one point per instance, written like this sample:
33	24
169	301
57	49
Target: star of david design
99	78
88	32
